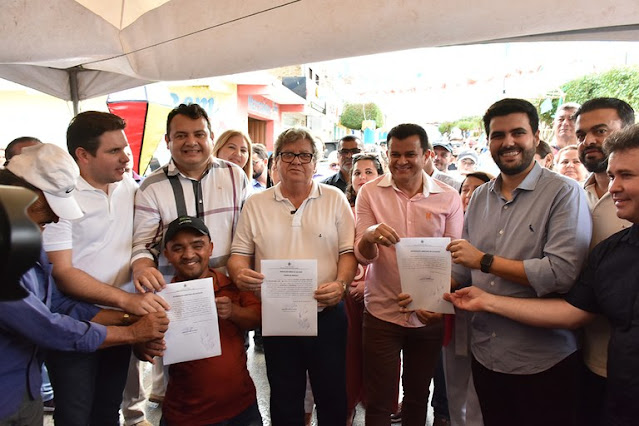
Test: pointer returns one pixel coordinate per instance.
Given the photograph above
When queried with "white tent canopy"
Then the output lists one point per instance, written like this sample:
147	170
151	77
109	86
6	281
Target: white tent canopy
79	49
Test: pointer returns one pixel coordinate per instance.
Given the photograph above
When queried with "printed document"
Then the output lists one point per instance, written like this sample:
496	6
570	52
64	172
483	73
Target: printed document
193	329
424	272
288	306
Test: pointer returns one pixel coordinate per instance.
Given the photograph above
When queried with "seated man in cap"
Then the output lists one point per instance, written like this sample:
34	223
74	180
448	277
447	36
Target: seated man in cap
45	318
216	389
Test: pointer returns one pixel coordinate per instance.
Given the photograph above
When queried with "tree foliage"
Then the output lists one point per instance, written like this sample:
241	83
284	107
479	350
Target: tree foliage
354	114
467	125
622	83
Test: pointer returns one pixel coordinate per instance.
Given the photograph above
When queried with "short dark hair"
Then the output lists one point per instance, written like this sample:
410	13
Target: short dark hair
624	110
260	151
543	149
9	150
510	106
85	130
483	176
403	131
349	138
193	111
622	140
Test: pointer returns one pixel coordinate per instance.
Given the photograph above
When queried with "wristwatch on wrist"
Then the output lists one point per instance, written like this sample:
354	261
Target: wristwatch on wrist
486	262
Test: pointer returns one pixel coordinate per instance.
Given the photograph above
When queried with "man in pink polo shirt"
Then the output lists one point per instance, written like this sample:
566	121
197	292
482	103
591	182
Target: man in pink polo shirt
405	203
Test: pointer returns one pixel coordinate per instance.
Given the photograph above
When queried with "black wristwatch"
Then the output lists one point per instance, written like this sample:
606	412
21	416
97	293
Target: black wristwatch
486	262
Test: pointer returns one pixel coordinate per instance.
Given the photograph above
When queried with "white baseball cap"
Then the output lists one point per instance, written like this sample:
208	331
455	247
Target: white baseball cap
53	171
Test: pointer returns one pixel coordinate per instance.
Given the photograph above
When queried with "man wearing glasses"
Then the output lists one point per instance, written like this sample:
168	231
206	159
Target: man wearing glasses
347	147
306	220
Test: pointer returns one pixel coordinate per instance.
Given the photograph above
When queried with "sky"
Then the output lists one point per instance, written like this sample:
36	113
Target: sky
446	83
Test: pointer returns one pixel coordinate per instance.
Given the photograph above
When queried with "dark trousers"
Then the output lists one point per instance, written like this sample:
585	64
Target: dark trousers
29	413
592	397
440	400
88	386
548	398
421	349
289	358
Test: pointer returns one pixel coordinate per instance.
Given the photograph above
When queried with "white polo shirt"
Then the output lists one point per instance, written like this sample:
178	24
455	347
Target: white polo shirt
102	239
322	228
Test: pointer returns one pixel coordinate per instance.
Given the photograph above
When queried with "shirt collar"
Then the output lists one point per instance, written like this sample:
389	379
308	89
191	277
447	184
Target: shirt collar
528	184
82	185
590	180
428	184
173	169
316	191
633	235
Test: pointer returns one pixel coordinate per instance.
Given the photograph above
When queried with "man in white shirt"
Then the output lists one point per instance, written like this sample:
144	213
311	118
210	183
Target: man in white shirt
90	260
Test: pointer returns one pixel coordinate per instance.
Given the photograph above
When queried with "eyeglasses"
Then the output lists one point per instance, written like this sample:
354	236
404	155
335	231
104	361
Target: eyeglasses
349	151
288	157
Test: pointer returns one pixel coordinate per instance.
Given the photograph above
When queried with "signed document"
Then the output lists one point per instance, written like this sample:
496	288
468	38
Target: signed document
288	305
424	272
193	331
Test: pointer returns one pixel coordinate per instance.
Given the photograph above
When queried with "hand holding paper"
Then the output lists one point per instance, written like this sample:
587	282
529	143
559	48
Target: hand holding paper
424	271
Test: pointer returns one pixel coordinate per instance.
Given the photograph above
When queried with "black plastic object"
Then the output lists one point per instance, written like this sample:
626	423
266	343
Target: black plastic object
20	240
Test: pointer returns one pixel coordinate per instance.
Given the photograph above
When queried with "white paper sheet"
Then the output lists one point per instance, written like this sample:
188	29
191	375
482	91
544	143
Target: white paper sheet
288	306
424	271
193	329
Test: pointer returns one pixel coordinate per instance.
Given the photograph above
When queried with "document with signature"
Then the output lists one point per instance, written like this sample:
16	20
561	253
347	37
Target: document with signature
288	306
193	331
424	271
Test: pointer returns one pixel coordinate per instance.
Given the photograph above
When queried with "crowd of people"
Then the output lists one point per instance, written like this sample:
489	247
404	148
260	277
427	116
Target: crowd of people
522	278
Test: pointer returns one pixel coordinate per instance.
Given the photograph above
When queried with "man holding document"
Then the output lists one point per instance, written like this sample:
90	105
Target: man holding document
526	235
405	203
300	258
218	388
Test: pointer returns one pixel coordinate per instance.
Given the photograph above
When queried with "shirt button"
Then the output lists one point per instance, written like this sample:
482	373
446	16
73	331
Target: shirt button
494	335
505	207
492	283
200	201
501	232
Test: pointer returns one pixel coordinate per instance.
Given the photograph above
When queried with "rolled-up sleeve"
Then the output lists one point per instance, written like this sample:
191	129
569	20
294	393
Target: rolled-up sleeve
365	219
569	232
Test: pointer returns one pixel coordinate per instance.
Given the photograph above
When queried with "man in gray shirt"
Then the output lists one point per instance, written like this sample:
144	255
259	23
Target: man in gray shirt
526	235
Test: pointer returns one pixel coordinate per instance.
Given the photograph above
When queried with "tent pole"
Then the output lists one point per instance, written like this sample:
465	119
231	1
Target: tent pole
73	86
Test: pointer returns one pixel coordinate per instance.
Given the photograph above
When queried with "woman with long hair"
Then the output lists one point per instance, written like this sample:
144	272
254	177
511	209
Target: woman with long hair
235	146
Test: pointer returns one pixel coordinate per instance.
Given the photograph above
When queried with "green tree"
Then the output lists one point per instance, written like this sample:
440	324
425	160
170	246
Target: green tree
622	83
445	127
467	125
354	114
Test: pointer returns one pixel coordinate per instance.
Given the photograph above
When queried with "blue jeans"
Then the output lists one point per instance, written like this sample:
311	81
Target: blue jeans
46	390
324	357
249	417
88	386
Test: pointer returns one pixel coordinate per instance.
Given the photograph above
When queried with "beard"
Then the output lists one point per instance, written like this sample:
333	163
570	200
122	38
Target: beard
257	174
527	157
594	166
